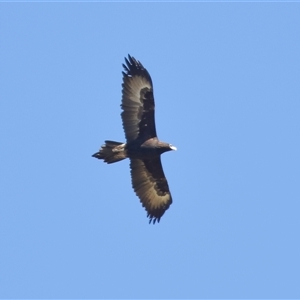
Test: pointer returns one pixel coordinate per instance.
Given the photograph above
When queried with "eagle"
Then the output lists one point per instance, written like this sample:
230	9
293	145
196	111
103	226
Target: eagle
142	147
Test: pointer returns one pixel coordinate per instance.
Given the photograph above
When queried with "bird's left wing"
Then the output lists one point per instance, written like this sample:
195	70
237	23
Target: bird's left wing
151	186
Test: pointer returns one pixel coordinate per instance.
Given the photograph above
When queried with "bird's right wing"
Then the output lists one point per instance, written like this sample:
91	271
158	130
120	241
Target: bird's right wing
137	102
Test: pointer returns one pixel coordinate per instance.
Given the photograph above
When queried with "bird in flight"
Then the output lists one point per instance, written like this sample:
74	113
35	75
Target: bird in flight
142	146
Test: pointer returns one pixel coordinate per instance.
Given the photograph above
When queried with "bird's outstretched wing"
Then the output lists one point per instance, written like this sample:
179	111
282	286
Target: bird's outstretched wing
137	102
151	186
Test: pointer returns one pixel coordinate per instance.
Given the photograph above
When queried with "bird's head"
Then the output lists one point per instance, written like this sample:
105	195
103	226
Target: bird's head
164	147
172	147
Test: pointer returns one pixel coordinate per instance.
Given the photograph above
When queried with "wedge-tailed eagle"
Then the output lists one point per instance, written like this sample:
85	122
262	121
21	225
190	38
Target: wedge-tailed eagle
143	147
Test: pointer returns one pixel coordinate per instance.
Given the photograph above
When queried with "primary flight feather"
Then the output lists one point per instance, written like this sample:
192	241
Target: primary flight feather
143	147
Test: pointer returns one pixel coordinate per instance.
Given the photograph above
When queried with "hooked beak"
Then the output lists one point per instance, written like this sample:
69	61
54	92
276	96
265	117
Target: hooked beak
173	148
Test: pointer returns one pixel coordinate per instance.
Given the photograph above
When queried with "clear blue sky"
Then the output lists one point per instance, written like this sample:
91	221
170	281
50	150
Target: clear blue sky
227	90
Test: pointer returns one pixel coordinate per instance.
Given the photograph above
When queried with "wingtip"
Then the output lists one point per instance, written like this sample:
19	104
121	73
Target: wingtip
134	67
153	219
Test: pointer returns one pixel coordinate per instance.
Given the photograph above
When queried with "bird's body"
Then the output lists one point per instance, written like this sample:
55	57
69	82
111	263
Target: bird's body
143	147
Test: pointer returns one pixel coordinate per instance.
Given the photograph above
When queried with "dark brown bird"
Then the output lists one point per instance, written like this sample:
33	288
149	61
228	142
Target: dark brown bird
143	147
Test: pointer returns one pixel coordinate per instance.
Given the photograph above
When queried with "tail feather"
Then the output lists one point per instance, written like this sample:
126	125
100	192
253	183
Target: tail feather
111	152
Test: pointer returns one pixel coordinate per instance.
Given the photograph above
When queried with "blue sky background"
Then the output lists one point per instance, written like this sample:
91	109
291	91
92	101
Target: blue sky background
227	90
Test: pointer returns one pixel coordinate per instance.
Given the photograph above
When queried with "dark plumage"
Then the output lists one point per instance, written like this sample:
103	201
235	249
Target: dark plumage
143	147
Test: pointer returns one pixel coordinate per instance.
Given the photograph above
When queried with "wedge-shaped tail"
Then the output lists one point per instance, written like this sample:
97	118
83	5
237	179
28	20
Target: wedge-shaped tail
111	152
